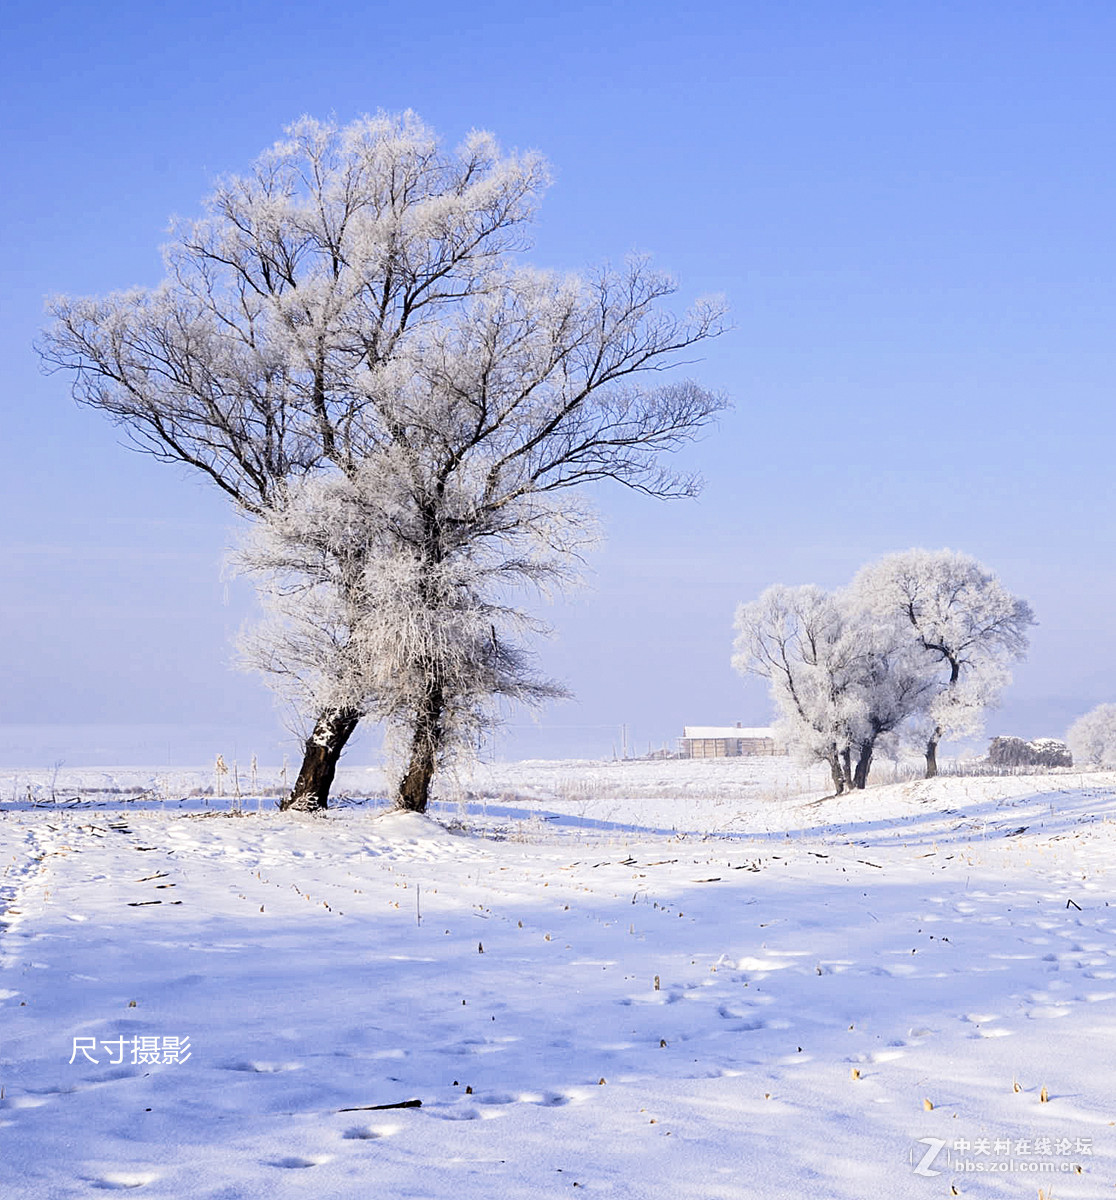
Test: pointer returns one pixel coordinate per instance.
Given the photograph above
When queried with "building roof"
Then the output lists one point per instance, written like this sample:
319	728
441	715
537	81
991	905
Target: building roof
726	731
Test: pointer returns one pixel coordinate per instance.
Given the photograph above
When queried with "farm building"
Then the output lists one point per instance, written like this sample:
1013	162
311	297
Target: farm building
727	741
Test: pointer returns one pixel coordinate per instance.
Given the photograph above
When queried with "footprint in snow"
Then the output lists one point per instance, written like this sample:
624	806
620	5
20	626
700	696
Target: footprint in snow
706	1073
23	1101
547	1099
553	1099
659	997
114	1075
295	1162
116	1181
368	1133
261	1068
749	963
747	1022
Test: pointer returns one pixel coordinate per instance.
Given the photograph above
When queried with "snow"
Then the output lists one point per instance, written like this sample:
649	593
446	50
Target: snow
727	731
672	979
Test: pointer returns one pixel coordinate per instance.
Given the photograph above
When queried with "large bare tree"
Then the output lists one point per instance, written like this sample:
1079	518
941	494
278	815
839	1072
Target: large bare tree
348	345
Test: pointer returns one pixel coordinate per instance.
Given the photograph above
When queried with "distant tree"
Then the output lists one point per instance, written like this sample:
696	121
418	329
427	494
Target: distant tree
915	647
347	336
1051	752
797	640
839	680
966	622
1014	752
1092	737
1006	751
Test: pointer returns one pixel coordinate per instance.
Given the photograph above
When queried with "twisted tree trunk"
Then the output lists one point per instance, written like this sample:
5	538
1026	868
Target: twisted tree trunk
426	741
332	730
863	765
932	753
936	736
837	773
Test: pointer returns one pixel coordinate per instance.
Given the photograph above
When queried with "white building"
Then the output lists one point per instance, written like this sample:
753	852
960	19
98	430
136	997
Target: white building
727	741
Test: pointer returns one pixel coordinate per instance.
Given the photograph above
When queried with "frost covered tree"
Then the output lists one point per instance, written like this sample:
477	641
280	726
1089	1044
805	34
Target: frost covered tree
967	623
348	346
362	622
1092	737
840	679
796	639
917	647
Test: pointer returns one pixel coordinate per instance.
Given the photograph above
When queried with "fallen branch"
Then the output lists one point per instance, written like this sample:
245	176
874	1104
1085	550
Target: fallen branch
380	1107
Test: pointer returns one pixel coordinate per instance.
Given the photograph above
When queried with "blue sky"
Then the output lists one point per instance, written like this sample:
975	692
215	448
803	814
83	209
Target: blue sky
908	207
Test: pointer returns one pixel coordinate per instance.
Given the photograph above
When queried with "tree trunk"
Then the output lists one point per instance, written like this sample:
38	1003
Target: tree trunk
846	769
932	754
837	773
414	791
863	765
332	730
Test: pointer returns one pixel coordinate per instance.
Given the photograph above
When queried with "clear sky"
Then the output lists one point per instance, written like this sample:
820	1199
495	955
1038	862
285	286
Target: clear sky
908	206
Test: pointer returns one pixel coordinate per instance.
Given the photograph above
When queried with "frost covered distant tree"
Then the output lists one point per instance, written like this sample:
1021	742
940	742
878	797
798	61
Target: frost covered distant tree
796	639
348	347
967	623
840	680
915	648
1092	737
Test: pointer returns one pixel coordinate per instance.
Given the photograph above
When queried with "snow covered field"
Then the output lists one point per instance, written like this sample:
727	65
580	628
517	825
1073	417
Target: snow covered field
641	980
